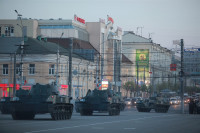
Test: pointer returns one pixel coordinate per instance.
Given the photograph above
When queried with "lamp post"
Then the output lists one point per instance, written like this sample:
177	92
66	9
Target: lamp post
21	50
57	62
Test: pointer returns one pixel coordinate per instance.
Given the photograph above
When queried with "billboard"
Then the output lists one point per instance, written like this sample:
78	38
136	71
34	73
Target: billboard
142	64
104	84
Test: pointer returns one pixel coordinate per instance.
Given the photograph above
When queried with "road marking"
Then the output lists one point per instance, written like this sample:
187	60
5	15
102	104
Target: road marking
129	128
20	123
98	128
54	129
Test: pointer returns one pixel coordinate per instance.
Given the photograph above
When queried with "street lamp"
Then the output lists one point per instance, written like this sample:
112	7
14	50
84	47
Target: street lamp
21	51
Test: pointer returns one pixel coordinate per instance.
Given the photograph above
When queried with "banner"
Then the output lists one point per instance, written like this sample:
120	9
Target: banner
142	64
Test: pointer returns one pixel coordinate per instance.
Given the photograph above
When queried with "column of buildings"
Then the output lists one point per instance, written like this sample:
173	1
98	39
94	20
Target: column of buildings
100	52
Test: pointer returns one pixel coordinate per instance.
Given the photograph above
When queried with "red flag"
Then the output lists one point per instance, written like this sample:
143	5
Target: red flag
110	19
25	82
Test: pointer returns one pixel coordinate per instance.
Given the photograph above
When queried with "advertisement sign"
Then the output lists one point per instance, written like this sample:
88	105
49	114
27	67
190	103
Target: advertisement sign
172	67
192	50
142	63
79	19
104	84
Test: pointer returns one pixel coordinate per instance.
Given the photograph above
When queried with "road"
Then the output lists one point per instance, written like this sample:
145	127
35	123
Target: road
129	121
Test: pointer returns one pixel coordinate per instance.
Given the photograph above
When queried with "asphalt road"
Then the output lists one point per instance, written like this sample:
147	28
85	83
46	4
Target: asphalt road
129	121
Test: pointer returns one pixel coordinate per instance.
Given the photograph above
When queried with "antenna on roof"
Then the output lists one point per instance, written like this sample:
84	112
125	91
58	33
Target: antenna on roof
140	30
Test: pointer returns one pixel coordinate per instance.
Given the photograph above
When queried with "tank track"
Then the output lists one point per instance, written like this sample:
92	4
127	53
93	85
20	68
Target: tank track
114	109
62	111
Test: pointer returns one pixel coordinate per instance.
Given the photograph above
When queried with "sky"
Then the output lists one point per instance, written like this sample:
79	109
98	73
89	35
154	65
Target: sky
165	20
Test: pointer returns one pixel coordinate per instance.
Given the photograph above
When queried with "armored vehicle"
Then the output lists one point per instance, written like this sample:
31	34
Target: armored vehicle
39	100
98	100
160	105
5	105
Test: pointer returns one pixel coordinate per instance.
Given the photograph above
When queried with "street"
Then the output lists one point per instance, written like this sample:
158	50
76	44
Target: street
129	121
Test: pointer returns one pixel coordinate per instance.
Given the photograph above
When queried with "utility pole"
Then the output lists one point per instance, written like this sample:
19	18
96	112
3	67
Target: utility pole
87	74
57	75
97	71
181	78
154	89
70	66
102	58
21	50
14	87
78	77
137	77
144	75
57	63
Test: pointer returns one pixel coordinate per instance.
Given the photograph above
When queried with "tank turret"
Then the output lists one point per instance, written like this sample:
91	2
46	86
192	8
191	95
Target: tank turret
98	100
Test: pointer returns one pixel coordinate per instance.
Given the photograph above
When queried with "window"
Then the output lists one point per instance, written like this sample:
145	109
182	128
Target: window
18	69
5	69
9	31
32	69
51	69
0	31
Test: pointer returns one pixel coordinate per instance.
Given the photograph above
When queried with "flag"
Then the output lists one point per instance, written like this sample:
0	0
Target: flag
25	82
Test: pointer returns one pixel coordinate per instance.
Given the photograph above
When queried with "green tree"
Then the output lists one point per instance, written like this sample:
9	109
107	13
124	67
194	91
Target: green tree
129	86
144	88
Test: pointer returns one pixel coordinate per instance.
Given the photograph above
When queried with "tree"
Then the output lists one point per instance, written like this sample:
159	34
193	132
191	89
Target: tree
144	88
129	86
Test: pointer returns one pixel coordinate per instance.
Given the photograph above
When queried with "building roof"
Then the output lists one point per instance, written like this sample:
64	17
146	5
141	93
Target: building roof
9	45
80	47
131	37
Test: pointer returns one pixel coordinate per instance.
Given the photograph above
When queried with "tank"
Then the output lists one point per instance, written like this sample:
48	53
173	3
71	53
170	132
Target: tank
5	105
159	104
98	100
40	99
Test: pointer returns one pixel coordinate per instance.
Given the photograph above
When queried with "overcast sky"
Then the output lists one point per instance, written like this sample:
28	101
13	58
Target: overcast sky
168	20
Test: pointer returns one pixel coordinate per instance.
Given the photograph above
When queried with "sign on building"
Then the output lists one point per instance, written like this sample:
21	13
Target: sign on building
142	63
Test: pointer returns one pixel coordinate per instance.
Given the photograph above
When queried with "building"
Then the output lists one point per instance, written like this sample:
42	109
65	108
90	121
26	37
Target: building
192	66
98	43
107	41
40	66
15	27
151	62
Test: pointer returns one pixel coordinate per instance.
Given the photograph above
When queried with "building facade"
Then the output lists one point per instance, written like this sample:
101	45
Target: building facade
192	66
151	62
107	41
42	65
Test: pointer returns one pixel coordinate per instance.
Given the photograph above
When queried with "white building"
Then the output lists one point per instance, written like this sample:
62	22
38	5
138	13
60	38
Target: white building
152	60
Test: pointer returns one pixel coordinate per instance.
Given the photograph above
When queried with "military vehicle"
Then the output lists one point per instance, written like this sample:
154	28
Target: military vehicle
160	105
98	100
5	105
39	100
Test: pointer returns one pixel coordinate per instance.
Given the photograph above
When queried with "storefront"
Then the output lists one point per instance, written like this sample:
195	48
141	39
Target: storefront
6	90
